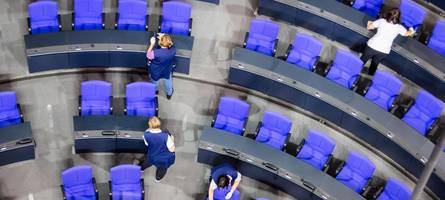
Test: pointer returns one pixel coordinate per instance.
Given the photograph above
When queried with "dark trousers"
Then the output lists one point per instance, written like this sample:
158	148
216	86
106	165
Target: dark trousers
375	56
160	171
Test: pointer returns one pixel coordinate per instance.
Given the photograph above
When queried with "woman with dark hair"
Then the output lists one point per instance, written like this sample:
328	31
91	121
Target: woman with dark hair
379	46
224	181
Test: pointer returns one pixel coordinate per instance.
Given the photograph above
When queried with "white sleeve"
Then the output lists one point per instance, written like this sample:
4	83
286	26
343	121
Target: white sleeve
170	142
145	141
402	30
238	177
213	185
377	23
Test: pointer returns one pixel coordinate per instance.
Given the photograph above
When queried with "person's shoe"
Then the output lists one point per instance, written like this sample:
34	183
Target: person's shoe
136	162
170	96
157	181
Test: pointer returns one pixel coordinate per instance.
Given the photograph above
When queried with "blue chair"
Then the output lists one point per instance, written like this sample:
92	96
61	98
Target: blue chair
423	113
78	183
95	98
273	130
231	115
370	7
10	112
394	190
304	51
126	183
345	69
316	150
88	15
220	194
132	15
411	14
383	89
262	37
141	99
437	38
356	172
176	18
43	17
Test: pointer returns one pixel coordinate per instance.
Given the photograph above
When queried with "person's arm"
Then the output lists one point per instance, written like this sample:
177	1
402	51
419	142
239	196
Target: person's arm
374	24
171	143
212	188
234	186
150	54
145	141
409	33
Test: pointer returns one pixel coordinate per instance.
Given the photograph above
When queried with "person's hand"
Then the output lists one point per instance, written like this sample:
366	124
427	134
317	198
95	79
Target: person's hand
152	40
412	31
229	195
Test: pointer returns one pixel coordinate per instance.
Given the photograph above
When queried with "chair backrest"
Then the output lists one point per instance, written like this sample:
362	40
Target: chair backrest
439	31
78	182
412	14
320	143
140	92
234	108
8	101
265	28
88	9
370	7
307	45
356	172
395	190
428	104
132	11
277	122
176	11
96	90
43	11
385	86
346	66
126	176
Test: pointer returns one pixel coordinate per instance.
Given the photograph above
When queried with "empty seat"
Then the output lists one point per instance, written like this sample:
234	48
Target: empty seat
10	113
220	194
345	69
262	36
316	150
437	38
394	190
126	182
356	172
304	51
231	115
370	7
95	98
384	89
273	130
411	14
176	18
423	115
78	183
43	17
88	15
141	99
132	15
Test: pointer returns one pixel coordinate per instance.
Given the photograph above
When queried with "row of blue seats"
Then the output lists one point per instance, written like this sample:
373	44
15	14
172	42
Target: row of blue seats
132	15
422	114
10	110
316	150
126	182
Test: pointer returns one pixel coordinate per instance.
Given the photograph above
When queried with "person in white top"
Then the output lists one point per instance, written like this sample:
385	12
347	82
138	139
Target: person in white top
379	46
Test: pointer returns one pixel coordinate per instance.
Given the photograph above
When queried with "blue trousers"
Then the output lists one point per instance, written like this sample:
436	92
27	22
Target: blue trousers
168	84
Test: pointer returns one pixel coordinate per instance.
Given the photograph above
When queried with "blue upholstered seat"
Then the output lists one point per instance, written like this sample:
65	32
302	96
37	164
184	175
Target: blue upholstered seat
356	172
370	7
316	150
88	14
78	183
305	51
345	69
262	36
95	99
231	115
437	39
274	130
141	99
411	14
395	190
132	15
384	89
220	194
424	112
9	110
126	182
43	17
176	17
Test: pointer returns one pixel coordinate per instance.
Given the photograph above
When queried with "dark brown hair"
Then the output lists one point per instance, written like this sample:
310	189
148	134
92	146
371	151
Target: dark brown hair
223	181
393	16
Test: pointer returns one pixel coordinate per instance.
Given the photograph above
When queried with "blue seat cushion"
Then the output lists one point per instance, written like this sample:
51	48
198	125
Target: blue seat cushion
230	124
260	43
146	109
272	138
302	59
95	107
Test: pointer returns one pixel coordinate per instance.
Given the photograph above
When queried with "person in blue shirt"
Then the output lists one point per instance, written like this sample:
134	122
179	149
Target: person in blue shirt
224	181
161	62
161	148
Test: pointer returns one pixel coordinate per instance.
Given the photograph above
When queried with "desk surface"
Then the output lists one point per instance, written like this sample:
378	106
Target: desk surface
286	163
110	122
16	132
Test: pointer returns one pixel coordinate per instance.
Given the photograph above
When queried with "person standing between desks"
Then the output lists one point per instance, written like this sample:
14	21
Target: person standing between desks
379	46
224	178
161	62
161	148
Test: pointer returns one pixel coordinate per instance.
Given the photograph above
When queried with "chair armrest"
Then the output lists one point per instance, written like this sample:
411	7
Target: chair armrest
394	103
125	105
80	105
246	37
214	117
116	20
407	106
28	20
159	23
111	105
244	126
365	90
378	192
20	112
365	190
147	18
289	48
286	141
356	81
156	107
275	48
328	68
110	193
351	2
59	20
299	147
257	130
103	20
433	128
327	164
339	168
72	20
63	192
317	61
95	188
190	26
143	188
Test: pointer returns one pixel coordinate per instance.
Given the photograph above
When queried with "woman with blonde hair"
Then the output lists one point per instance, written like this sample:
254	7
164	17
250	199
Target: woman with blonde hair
161	62
161	148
